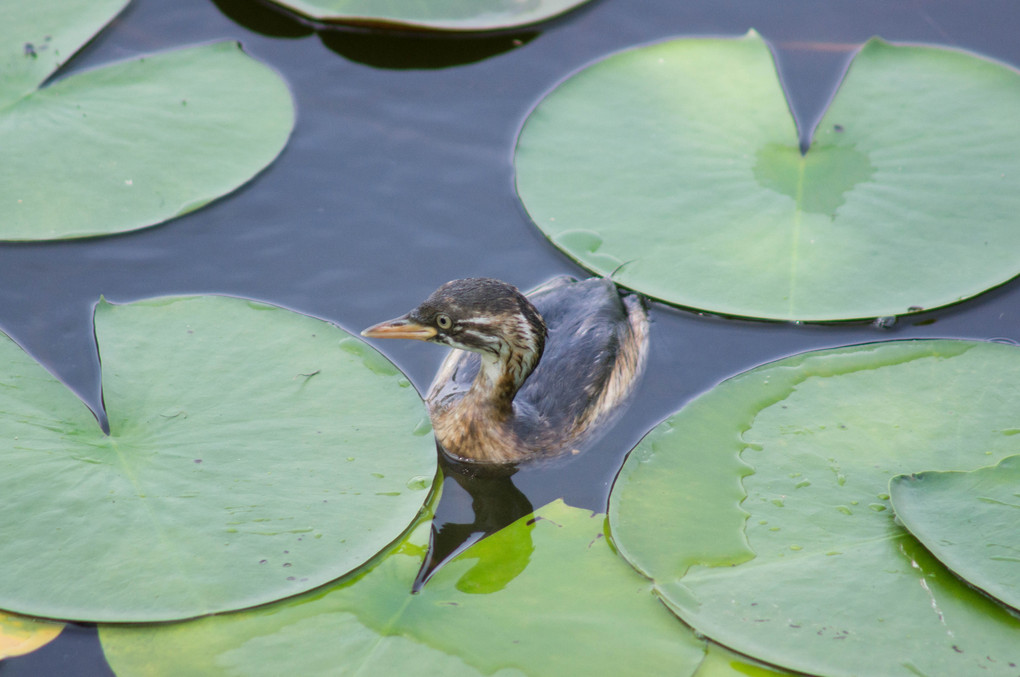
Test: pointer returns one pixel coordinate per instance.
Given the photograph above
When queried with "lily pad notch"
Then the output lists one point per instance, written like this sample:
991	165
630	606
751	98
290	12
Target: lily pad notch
682	161
254	453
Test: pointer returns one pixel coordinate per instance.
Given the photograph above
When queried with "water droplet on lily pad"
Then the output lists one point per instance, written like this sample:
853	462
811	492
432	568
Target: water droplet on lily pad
418	483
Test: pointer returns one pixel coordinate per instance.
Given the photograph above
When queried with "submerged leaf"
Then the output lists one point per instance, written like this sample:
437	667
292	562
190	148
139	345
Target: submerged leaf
761	509
127	145
19	636
250	457
721	662
680	162
575	608
970	521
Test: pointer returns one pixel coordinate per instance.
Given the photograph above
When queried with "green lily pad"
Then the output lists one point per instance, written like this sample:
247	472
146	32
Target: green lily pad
544	596
131	144
970	521
761	510
253	454
721	662
439	15
19	636
680	162
36	38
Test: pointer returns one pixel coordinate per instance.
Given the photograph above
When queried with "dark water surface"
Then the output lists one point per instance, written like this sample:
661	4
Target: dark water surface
399	177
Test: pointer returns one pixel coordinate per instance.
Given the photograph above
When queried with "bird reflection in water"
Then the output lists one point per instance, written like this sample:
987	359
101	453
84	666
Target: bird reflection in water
495	503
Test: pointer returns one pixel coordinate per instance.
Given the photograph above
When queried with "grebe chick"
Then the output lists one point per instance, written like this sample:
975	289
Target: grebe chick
541	373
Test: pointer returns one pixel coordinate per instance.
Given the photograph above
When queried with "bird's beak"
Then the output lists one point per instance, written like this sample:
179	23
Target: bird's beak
401	327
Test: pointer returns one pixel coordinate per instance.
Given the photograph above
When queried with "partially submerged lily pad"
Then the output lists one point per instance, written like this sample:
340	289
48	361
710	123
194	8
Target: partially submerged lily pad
680	162
573	608
437	15
19	636
970	521
721	662
127	145
761	510
254	453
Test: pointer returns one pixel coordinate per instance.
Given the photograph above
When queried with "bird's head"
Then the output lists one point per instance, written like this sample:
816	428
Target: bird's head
481	315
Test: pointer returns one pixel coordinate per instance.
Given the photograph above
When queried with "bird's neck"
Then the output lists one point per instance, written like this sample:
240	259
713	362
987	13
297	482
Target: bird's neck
500	377
480	426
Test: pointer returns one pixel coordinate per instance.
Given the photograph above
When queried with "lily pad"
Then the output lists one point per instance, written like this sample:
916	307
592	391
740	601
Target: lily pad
761	510
440	15
19	636
37	38
131	144
721	662
254	453
970	521
680	162
544	596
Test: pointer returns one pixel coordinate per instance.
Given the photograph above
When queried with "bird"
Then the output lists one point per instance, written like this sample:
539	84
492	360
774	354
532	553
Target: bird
531	376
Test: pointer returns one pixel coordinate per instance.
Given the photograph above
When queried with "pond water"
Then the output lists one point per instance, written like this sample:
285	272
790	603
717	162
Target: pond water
399	177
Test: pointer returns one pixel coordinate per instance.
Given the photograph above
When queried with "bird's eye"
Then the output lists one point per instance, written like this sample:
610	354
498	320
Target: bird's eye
443	321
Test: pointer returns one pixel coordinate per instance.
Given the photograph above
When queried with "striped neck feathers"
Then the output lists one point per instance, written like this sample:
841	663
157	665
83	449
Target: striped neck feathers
510	347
